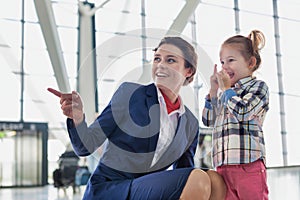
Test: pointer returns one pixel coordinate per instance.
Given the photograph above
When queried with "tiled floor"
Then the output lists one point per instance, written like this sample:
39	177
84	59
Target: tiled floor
40	193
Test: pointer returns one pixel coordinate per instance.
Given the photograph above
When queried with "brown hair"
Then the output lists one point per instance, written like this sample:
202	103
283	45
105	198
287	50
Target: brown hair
249	46
189	53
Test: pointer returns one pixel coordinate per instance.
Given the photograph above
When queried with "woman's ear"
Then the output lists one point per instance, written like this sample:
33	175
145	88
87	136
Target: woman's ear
189	73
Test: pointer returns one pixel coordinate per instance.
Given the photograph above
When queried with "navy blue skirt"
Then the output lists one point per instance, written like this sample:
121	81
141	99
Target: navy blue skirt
160	185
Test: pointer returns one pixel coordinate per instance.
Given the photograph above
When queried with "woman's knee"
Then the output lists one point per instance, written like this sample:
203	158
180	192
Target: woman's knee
198	186
201	178
218	186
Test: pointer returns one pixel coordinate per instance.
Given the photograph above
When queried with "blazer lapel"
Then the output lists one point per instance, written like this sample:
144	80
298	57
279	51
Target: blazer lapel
177	146
154	113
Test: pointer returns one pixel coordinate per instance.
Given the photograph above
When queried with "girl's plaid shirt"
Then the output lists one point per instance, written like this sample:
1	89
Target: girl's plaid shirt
237	117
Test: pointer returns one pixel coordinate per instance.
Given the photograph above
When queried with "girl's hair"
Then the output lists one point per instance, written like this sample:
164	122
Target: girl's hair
249	46
189	54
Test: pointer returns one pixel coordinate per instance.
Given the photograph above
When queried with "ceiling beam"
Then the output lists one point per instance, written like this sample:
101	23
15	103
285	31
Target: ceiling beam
183	17
50	33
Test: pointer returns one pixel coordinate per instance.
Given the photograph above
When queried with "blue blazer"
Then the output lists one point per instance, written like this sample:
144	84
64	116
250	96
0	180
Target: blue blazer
130	126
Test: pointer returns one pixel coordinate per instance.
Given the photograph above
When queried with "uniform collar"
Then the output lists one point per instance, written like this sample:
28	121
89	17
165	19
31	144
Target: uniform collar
161	99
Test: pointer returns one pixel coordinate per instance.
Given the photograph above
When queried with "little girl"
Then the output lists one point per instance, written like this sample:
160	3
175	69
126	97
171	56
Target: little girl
237	116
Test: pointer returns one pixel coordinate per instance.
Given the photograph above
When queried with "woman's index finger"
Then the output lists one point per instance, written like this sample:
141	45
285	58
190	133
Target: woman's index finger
55	92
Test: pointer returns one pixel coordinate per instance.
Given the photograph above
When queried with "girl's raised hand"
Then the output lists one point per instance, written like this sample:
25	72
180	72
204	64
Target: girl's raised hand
214	85
223	80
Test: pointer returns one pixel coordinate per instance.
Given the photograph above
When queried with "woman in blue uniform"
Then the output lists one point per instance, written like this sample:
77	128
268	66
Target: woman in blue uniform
148	129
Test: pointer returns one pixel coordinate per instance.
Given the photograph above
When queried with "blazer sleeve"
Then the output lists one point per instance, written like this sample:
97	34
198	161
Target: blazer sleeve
86	139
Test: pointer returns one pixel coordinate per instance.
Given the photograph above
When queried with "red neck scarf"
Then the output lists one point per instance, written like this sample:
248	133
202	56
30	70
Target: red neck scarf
171	106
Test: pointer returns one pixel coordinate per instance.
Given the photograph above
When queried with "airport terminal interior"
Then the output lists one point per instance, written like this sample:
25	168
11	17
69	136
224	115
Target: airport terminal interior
93	46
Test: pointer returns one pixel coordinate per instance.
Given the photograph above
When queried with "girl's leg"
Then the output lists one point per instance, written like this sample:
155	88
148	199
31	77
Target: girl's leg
245	181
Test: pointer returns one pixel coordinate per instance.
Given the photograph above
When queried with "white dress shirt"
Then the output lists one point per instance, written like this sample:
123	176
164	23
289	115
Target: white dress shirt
168	125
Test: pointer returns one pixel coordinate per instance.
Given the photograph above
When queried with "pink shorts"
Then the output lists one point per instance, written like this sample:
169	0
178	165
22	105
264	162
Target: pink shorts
245	181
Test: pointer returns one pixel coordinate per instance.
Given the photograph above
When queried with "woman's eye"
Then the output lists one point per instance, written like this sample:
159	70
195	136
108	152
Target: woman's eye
156	59
222	62
231	60
171	60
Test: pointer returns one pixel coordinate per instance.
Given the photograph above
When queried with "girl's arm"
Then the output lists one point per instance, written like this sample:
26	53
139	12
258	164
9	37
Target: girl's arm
251	104
209	111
